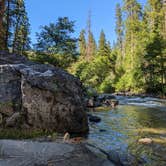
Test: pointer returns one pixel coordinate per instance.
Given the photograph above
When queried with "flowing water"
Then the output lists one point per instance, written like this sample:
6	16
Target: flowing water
122	127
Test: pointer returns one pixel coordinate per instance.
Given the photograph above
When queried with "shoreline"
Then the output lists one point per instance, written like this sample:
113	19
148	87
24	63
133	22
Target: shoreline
143	95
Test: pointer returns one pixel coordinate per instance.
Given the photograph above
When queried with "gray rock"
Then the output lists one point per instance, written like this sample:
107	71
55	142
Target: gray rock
91	103
23	153
93	118
47	97
102	100
112	102
14	120
1	119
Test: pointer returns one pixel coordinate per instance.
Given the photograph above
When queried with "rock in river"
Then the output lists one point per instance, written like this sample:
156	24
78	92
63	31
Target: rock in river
46	97
145	140
93	118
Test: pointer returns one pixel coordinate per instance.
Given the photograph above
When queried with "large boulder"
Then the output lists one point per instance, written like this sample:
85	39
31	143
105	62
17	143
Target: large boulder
28	153
46	97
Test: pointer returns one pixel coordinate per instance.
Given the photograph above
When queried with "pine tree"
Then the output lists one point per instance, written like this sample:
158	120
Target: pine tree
21	29
155	58
82	44
56	40
104	47
164	52
164	21
133	12
102	41
15	26
119	28
131	80
91	44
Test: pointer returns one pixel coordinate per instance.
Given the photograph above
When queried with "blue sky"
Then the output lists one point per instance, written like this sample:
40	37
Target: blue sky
103	14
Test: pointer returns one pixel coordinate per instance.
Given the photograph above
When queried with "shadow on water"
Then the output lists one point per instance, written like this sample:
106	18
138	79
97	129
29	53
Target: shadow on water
121	128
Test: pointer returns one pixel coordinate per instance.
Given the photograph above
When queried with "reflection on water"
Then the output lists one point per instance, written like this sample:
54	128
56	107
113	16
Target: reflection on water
128	123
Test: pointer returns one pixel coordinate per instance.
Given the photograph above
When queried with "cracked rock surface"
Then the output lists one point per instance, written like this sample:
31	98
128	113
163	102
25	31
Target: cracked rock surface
27	153
45	97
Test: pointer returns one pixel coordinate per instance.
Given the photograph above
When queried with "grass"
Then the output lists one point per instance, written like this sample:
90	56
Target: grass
22	134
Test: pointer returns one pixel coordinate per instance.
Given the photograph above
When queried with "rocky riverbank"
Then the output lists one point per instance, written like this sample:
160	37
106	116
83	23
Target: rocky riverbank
98	100
27	153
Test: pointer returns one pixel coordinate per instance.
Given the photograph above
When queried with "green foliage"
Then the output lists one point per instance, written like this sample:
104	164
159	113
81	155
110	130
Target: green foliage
21	134
91	92
140	65
15	27
55	44
136	63
107	86
21	41
129	82
98	73
91	47
56	38
119	27
82	44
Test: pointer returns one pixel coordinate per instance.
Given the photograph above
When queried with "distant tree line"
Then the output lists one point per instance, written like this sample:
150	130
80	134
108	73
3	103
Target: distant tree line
137	62
141	46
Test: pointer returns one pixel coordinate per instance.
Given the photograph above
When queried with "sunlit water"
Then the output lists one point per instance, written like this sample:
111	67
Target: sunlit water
133	119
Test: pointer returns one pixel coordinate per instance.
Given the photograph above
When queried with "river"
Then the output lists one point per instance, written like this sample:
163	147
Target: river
122	127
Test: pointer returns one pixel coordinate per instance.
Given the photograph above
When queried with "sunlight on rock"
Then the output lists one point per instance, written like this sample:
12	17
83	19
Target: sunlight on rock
145	140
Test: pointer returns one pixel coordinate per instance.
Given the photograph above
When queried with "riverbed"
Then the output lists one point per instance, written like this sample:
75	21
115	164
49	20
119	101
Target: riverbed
122	127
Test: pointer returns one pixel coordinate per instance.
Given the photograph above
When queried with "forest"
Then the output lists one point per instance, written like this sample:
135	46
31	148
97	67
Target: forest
75	93
135	63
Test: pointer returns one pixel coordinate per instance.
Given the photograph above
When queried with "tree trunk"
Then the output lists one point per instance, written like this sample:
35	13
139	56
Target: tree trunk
7	24
2	27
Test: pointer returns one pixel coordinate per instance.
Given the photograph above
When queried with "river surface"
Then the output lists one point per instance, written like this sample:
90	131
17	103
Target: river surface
122	127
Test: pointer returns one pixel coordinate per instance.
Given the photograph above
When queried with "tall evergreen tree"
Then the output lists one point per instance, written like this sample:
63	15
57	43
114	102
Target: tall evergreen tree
102	40
21	29
164	52
132	75
91	43
15	25
82	44
132	10
55	40
155	58
8	21
164	22
119	28
104	47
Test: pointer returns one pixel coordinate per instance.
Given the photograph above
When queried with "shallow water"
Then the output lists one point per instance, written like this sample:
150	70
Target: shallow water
133	119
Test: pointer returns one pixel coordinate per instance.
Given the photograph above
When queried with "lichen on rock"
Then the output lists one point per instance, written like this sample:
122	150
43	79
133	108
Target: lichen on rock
47	97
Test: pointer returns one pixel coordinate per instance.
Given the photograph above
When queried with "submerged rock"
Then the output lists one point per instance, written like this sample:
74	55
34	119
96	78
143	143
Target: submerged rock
46	97
102	100
93	118
145	140
114	103
91	103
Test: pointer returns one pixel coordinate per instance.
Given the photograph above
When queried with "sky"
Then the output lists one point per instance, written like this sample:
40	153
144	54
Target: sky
102	13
